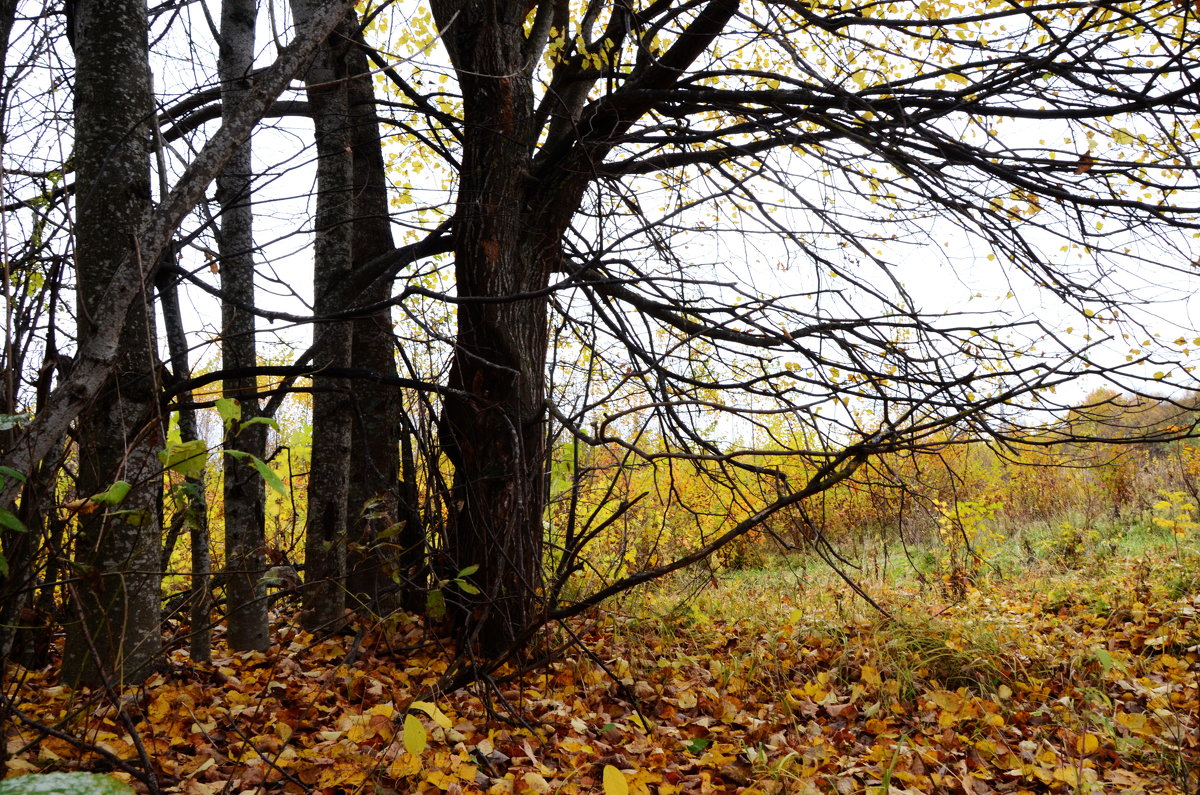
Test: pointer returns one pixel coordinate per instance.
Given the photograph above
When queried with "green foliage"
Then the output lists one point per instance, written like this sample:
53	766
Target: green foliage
230	411
9	520
187	458
1069	544
64	784
268	475
114	495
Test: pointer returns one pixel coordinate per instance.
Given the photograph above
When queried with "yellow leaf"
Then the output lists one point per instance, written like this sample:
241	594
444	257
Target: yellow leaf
536	783
947	701
1136	722
414	735
614	781
404	766
1087	744
432	711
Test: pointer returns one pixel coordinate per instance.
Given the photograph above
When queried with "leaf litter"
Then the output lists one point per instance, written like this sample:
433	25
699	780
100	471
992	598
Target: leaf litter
1007	691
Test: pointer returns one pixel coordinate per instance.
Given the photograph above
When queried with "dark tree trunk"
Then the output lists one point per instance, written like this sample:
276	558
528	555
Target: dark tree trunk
117	553
192	506
496	437
379	497
244	503
326	533
27	625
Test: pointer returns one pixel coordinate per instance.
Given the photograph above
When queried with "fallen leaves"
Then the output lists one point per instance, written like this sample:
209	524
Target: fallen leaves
997	695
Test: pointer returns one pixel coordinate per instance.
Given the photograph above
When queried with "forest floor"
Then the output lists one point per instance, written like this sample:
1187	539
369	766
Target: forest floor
1078	678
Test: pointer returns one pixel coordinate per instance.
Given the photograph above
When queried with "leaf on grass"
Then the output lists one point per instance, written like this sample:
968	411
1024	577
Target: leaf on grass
1087	744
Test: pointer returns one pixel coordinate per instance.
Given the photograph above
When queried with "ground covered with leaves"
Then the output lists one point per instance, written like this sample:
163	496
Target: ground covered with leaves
760	683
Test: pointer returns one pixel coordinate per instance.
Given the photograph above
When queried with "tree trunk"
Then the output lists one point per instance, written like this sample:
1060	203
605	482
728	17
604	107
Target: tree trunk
117	547
496	437
192	504
379	495
326	533
244	500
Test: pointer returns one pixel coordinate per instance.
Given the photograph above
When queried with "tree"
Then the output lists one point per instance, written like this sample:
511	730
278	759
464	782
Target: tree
713	205
115	552
32	279
382	492
744	116
244	503
115	634
327	533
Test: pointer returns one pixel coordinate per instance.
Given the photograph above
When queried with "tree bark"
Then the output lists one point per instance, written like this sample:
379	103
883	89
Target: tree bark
326	532
243	490
116	636
496	438
192	506
379	494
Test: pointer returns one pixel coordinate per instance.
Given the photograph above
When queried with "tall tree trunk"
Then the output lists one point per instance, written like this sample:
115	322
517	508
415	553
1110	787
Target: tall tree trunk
116	551
326	533
243	491
192	506
379	495
495	438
